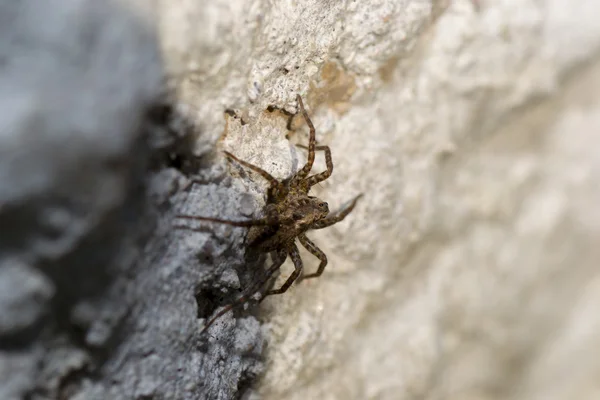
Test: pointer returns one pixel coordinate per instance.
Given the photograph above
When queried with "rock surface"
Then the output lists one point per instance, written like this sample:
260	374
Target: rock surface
467	271
97	291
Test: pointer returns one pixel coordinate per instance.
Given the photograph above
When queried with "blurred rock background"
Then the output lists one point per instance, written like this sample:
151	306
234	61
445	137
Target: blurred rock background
468	271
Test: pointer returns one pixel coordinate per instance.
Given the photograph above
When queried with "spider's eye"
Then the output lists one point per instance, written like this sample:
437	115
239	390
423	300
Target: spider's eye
324	206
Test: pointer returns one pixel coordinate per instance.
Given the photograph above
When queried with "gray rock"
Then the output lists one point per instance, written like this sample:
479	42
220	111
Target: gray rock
24	294
18	372
86	236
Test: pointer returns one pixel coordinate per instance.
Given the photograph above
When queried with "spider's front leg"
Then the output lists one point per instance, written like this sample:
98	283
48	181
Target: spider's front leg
312	142
313	180
315	251
336	216
295	255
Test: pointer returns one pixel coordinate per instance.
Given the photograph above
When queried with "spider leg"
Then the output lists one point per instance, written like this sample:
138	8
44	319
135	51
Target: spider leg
270	219
251	222
336	216
295	255
313	180
315	251
274	182
277	261
303	173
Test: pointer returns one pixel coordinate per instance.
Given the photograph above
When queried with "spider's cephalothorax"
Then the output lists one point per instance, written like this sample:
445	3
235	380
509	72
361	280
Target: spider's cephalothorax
288	214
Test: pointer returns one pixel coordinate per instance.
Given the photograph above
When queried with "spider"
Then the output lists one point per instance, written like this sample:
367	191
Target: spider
289	213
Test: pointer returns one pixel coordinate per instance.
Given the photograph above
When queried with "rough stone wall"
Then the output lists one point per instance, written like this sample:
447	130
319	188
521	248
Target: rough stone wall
77	81
467	271
97	291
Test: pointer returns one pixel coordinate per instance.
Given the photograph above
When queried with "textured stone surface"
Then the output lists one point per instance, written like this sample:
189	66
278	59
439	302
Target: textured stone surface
99	296
24	295
78	80
468	269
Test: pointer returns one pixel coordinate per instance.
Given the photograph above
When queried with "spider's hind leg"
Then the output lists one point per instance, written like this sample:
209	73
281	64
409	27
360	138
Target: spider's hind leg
270	219
274	182
277	261
248	223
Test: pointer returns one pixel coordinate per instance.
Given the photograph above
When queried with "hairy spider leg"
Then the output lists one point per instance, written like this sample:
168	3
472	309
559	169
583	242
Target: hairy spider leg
252	222
270	220
274	182
337	216
303	173
295	255
320	177
277	262
315	251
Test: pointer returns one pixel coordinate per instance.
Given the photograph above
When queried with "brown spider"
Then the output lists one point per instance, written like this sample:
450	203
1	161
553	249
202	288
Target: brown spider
289	213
